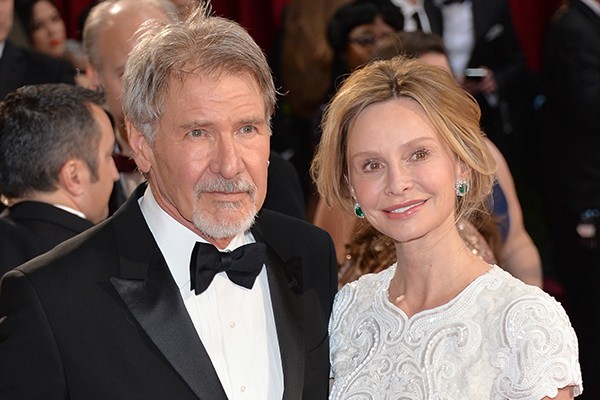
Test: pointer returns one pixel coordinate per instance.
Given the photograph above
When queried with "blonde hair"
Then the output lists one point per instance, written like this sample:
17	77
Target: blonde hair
452	111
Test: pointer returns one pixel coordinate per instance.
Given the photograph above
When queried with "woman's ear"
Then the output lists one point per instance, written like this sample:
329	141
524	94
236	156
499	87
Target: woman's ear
463	171
352	193
350	188
142	153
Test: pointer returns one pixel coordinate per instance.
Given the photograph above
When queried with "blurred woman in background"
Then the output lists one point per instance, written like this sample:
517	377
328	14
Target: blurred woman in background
47	34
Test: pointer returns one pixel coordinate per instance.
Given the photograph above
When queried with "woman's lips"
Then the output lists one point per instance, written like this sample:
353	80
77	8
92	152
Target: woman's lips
405	209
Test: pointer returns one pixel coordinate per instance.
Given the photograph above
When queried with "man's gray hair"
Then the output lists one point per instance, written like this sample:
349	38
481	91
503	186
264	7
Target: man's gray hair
203	44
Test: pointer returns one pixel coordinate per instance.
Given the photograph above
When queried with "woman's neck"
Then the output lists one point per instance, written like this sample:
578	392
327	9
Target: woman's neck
430	275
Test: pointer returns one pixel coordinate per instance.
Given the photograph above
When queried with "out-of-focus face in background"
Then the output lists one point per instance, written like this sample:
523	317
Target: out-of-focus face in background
115	41
6	18
48	31
362	40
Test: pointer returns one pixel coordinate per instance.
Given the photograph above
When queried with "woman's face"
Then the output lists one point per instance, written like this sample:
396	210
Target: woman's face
401	172
48	29
362	41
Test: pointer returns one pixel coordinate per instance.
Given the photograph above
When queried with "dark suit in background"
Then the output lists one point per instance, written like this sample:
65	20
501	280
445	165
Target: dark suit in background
31	228
20	66
571	153
497	47
116	327
284	190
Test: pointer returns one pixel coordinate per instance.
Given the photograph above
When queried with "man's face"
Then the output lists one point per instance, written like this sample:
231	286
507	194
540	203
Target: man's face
99	188
115	42
208	164
6	18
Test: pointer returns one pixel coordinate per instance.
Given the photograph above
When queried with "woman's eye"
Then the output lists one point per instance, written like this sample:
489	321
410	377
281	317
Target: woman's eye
420	154
371	165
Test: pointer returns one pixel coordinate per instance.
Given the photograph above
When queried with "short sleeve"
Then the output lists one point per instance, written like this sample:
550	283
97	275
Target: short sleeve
539	352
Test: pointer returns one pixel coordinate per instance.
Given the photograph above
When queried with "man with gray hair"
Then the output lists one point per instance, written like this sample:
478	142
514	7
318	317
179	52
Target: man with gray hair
191	290
109	34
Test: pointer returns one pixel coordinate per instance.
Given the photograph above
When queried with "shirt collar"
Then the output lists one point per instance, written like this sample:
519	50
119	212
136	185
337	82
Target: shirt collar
70	210
408	7
176	241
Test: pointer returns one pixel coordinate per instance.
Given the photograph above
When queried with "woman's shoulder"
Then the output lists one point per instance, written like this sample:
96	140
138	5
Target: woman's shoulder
516	293
529	315
365	288
371	282
538	343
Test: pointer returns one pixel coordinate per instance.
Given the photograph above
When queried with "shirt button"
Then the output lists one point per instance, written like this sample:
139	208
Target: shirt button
232	324
243	388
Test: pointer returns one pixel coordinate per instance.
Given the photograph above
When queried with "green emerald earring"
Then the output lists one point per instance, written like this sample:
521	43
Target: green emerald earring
461	187
358	211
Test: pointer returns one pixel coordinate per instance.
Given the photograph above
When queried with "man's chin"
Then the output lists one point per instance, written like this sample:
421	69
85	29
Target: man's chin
223	226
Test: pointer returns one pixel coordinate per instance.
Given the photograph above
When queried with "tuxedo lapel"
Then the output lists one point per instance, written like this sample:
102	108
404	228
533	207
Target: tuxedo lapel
148	290
285	287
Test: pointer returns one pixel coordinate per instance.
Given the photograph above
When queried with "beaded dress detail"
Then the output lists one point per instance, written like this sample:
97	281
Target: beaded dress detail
498	339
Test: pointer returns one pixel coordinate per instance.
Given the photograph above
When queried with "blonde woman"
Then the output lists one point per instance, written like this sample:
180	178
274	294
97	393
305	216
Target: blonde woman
402	147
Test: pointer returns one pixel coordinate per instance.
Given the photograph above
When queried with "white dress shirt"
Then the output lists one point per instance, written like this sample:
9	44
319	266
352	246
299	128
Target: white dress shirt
70	210
411	10
236	325
458	34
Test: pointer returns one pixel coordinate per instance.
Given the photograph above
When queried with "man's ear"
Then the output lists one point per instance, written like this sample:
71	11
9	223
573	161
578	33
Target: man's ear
93	77
72	175
141	151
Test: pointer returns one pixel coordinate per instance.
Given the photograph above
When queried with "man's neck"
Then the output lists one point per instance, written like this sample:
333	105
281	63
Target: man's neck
55	198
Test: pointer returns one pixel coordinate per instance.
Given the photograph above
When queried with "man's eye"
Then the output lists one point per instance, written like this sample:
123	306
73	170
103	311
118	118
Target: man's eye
196	133
247	129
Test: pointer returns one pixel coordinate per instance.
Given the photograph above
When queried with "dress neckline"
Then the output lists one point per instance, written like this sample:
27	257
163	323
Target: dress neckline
387	304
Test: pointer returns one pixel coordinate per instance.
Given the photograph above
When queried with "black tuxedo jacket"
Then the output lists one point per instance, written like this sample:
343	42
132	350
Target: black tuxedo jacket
100	316
20	66
571	77
31	228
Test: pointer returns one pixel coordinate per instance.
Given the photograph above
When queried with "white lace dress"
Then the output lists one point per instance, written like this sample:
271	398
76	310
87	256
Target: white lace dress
498	339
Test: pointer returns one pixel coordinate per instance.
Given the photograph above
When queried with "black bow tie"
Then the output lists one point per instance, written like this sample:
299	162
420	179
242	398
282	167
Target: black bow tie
241	265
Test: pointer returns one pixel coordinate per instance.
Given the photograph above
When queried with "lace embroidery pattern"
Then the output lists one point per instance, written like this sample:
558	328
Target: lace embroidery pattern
499	339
